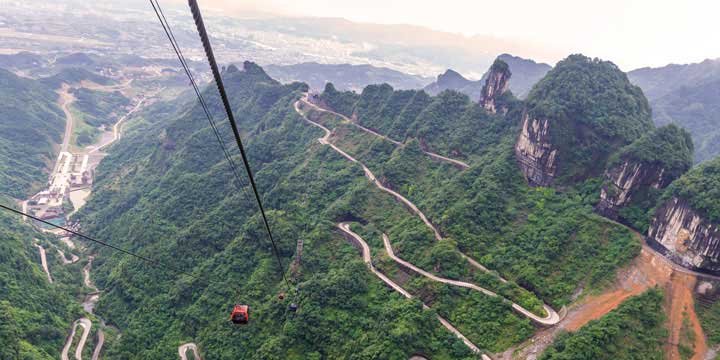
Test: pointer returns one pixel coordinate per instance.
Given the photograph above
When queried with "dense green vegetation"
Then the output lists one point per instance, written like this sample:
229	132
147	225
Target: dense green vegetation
34	315
100	107
669	148
701	188
30	123
166	192
542	239
632	331
94	110
687	95
709	315
449	123
172	173
696	108
593	110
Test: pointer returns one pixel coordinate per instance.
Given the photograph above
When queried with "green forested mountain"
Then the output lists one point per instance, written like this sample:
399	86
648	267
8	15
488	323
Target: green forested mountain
696	108
34	315
525	72
344	76
173	173
687	95
166	192
593	110
667	151
701	187
450	123
30	123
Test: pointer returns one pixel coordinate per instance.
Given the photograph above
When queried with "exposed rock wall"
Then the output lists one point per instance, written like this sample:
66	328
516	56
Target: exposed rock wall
626	179
535	152
496	84
689	239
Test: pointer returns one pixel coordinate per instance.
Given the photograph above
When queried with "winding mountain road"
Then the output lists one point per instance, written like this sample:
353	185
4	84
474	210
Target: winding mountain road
65	100
73	258
44	263
86	325
182	351
367	258
117	127
552	317
459	163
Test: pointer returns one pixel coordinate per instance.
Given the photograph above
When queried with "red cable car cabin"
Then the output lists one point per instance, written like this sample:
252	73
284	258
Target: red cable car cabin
240	314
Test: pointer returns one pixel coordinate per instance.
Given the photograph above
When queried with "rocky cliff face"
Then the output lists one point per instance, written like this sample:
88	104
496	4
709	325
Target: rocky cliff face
535	152
624	180
689	239
496	84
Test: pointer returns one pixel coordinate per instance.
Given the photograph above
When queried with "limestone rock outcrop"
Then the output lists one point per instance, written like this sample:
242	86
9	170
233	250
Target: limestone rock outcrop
623	181
651	162
688	238
535	152
496	84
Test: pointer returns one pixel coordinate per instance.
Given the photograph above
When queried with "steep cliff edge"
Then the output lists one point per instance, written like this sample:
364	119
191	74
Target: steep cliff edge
686	224
688	237
579	114
496	84
535	152
651	162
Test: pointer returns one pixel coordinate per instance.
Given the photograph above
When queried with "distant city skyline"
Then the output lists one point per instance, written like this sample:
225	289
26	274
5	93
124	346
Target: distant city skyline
631	33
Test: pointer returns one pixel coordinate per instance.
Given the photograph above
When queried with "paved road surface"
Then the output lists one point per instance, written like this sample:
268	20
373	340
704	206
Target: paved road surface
86	324
65	100
117	127
373	132
43	261
367	258
552	316
182	351
73	258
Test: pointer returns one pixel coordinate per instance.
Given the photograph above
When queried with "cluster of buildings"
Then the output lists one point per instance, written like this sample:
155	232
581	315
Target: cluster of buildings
71	172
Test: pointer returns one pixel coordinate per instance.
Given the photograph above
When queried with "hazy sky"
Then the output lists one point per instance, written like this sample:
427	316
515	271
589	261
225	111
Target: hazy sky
632	33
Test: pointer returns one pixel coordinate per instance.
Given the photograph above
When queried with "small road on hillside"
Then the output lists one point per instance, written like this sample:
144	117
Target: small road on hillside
373	132
117	133
367	258
552	316
65	100
183	349
85	323
551	319
44	263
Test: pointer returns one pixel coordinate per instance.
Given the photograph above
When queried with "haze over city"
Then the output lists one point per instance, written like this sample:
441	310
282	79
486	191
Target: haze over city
633	33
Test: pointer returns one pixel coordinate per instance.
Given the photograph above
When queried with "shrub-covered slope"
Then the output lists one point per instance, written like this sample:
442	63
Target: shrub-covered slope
34	314
166	192
30	123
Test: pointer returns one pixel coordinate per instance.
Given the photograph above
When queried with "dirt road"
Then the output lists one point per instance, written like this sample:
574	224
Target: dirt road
647	270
